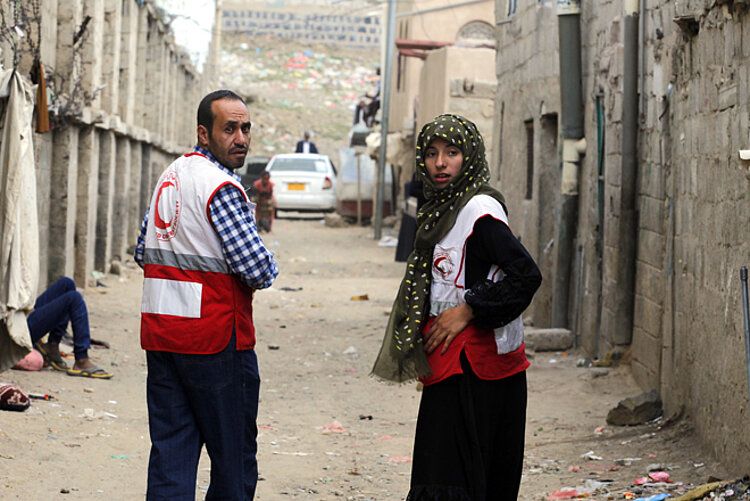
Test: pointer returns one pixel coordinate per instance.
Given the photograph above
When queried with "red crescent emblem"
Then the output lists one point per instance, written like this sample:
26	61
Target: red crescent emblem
158	221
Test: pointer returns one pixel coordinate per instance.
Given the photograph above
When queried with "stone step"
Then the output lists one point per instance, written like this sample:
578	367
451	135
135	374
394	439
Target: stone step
553	339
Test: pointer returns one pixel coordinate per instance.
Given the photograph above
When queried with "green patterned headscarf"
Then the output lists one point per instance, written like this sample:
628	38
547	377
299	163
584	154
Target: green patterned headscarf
402	357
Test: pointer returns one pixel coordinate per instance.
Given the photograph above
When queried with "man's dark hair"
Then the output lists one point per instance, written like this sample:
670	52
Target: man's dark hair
205	114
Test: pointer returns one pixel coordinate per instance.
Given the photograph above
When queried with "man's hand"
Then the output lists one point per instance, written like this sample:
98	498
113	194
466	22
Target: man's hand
446	327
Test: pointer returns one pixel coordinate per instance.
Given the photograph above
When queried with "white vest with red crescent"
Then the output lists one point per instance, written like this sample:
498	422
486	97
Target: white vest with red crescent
191	302
449	267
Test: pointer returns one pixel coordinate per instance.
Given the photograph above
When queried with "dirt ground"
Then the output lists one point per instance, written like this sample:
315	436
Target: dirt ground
326	429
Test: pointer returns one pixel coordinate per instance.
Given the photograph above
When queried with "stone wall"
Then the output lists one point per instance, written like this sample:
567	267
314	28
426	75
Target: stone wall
123	98
312	24
692	194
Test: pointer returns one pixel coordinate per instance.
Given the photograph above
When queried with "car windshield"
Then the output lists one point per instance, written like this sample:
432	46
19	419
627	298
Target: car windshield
298	164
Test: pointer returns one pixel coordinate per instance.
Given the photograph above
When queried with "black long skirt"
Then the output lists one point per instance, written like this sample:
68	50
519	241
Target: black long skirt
470	439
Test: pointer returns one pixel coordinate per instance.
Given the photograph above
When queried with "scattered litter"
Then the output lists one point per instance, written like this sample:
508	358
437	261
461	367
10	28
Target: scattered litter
350	351
292	453
388	241
367	417
599	430
291	289
565	494
399	460
363	297
266	427
273	346
657	476
39	396
90	414
334	427
387	437
120	457
626	461
592	456
655	497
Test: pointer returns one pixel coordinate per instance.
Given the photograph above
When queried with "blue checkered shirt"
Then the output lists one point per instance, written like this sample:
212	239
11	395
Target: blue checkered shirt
234	222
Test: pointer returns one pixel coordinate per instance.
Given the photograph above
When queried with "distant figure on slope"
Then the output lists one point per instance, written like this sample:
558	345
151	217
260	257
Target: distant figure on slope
305	145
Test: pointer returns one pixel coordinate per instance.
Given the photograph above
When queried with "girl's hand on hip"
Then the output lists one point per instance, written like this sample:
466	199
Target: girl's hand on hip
446	327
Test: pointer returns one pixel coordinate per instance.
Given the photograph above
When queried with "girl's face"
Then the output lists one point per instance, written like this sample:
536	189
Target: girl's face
443	161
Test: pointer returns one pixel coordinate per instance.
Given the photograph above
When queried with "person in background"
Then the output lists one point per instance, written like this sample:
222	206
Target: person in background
305	145
456	325
360	113
264	201
61	304
202	262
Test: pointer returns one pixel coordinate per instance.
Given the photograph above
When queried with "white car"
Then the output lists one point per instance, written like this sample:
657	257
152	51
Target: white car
303	182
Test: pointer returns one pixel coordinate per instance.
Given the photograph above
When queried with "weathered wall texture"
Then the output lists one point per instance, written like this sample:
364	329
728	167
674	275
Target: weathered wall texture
307	24
693	200
123	100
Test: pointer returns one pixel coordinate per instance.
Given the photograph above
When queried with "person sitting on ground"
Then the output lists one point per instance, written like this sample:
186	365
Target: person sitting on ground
306	146
59	305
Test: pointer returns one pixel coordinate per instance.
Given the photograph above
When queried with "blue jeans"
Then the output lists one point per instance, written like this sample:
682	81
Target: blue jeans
59	305
202	399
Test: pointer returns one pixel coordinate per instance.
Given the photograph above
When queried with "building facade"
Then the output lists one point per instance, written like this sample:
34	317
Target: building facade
352	25
116	86
648	264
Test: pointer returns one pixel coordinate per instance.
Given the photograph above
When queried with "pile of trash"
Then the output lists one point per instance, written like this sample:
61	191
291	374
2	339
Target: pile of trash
292	88
656	486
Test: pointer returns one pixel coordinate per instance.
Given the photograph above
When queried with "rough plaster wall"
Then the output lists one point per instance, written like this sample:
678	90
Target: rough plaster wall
92	57
43	148
88	181
135	211
527	83
63	180
111	54
128	62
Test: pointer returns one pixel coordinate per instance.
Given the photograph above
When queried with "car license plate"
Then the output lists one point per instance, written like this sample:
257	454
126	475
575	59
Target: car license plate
296	186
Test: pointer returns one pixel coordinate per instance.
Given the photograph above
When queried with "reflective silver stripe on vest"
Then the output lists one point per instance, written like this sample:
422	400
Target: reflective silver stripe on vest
184	261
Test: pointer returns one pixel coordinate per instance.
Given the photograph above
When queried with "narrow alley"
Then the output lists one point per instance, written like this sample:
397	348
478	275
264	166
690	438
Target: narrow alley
326	429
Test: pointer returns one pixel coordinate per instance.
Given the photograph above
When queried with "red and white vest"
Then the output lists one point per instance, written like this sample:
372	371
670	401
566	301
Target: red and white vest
492	354
191	301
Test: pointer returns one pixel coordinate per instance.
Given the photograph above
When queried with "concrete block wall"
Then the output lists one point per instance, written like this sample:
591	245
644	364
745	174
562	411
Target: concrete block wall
693	202
96	168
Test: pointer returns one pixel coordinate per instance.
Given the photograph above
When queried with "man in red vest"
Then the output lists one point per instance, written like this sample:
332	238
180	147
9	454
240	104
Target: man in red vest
202	260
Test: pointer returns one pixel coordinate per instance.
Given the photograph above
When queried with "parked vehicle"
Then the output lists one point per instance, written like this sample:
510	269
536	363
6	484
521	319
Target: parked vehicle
352	187
303	182
251	171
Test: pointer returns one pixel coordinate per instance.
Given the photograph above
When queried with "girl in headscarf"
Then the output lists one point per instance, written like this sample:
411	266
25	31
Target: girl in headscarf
456	325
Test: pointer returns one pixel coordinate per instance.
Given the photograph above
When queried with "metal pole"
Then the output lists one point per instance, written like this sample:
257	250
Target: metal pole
385	85
745	308
571	105
628	227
